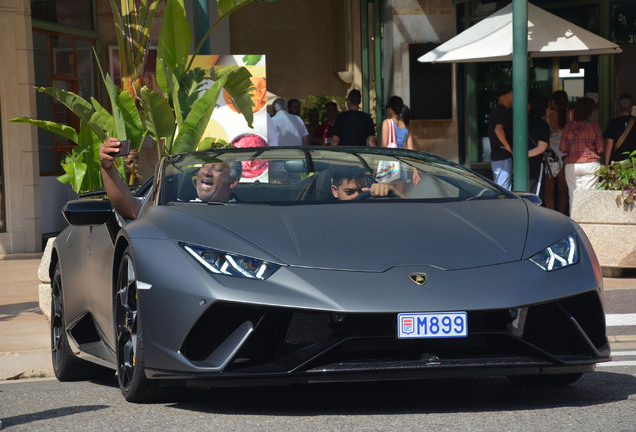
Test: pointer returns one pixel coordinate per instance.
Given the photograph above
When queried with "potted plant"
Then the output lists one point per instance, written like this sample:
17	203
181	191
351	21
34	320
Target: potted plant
174	117
620	176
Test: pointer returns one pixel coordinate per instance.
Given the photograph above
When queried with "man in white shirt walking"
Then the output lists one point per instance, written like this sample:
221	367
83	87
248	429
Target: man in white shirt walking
290	128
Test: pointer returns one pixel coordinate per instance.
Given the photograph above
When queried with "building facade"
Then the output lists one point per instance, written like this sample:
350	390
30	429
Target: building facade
312	48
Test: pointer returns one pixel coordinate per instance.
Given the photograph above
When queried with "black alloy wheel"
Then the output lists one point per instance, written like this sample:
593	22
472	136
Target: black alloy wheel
130	361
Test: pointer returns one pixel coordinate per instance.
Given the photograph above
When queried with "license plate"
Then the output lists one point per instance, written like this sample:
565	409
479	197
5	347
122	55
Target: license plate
432	325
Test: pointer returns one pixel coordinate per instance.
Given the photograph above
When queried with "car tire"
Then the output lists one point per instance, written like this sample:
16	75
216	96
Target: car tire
544	380
134	385
66	366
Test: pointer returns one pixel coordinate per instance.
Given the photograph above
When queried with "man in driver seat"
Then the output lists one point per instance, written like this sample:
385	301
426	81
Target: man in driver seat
215	181
348	182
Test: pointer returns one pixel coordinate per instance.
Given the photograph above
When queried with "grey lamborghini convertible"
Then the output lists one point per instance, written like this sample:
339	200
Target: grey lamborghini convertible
304	275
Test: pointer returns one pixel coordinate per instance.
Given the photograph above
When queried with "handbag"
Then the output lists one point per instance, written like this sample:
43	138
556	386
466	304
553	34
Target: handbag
389	171
552	163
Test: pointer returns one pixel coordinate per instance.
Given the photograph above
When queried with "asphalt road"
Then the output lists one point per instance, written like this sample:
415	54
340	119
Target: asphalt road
601	401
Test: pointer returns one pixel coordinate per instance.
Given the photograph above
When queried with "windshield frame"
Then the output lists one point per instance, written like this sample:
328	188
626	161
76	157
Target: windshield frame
313	160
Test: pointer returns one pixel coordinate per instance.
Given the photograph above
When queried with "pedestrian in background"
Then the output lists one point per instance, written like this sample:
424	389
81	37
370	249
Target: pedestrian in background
313	126
293	107
354	127
290	128
396	133
556	188
325	130
500	135
538	141
398	118
582	141
620	133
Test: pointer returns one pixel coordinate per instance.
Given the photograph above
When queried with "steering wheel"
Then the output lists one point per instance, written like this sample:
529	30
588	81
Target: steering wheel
362	196
367	194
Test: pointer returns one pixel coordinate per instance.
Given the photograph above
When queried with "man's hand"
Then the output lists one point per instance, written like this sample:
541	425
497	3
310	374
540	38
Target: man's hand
116	189
416	177
379	190
383	190
107	152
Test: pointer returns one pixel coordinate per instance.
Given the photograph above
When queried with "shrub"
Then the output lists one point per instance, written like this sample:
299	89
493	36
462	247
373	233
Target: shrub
620	176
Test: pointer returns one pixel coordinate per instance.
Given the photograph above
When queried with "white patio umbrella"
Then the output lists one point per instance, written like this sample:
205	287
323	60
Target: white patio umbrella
491	39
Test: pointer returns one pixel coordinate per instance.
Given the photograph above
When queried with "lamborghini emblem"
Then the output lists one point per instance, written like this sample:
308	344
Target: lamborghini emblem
418	278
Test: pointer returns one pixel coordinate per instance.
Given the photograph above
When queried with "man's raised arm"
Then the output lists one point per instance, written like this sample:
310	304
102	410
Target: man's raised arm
118	193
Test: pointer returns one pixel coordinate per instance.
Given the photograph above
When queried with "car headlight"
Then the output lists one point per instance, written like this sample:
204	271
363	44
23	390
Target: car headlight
561	254
220	262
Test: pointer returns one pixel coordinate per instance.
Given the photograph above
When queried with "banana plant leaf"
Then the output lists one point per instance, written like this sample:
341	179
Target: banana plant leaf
208	143
239	86
174	89
75	170
194	125
90	143
113	93
189	90
82	165
226	7
78	105
56	128
130	115
174	41
158	117
103	118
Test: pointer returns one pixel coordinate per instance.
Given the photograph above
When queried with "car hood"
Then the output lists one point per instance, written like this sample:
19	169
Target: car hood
361	236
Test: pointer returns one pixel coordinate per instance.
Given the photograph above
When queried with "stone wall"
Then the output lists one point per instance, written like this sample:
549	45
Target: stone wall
611	228
20	183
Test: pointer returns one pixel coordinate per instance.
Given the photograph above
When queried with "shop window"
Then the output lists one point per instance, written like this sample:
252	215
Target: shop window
65	62
623	24
431	86
71	13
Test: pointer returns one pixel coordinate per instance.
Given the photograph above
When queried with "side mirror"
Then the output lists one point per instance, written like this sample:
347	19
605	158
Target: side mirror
88	212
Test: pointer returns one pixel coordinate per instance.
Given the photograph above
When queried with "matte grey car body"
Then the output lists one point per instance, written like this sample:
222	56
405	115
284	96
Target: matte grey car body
337	276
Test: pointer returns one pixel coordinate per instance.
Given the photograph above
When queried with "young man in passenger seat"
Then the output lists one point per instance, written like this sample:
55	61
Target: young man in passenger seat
347	182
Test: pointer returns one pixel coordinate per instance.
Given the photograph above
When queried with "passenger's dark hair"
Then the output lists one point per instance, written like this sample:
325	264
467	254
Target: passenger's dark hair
583	108
339	173
562	102
403	112
538	106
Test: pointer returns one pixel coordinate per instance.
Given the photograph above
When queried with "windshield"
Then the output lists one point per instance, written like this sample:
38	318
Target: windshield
317	174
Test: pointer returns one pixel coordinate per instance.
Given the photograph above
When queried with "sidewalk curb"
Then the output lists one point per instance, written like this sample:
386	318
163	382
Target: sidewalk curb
26	364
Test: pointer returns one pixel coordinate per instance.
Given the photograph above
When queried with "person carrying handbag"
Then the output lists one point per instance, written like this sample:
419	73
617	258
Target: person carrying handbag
620	134
582	141
396	133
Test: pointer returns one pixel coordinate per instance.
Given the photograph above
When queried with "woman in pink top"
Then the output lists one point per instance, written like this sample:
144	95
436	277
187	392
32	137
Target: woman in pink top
582	141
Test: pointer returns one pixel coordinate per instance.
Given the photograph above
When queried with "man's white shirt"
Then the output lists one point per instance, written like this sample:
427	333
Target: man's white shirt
290	128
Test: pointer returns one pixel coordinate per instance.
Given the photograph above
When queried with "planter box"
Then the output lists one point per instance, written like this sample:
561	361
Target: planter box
610	227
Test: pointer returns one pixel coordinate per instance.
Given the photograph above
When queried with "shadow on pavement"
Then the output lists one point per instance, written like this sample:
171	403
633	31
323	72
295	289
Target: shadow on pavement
447	396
